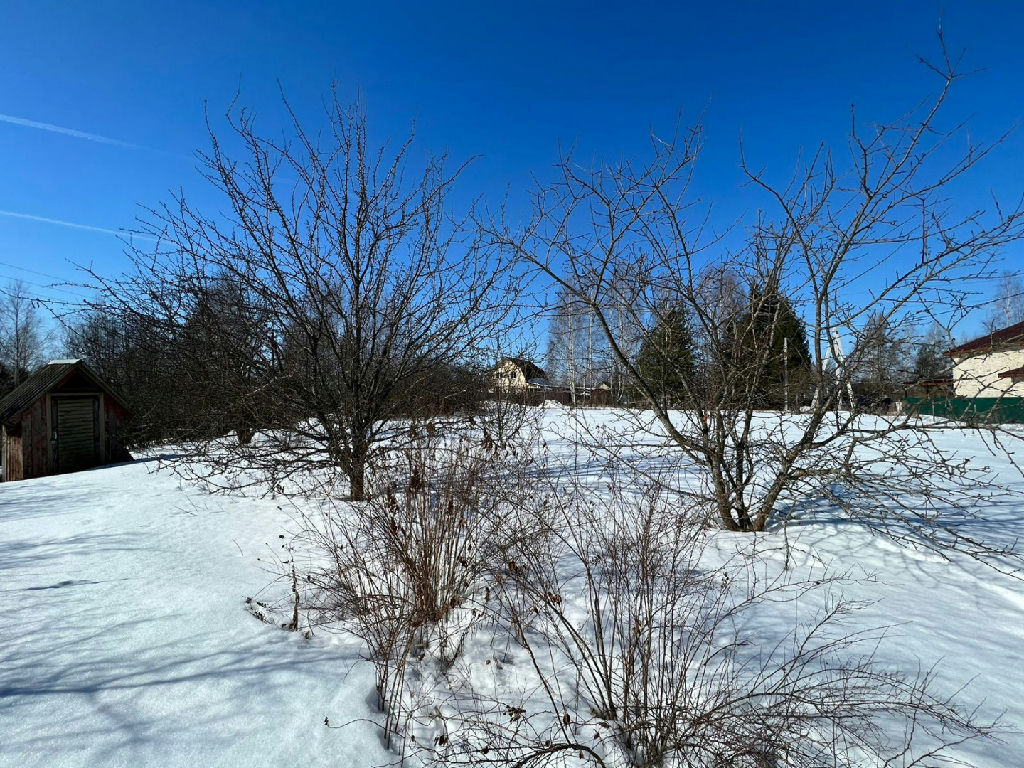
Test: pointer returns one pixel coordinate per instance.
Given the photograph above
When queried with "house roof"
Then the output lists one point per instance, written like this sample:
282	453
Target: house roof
938	381
41	382
1011	336
530	370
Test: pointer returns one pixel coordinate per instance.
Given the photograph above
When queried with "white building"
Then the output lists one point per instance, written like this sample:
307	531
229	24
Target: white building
514	374
991	365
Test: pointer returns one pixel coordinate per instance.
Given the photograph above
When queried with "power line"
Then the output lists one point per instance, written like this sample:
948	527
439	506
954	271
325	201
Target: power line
31	271
42	286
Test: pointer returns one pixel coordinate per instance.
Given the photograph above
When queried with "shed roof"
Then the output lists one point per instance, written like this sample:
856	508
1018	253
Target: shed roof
41	382
1011	336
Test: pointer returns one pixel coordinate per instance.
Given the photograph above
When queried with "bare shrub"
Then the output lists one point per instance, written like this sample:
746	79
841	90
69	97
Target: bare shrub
409	568
646	639
508	423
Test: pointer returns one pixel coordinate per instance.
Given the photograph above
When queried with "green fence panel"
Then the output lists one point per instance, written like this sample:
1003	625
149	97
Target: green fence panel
979	410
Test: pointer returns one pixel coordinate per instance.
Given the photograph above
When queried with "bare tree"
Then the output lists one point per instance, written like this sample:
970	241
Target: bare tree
354	282
878	236
22	336
1008	304
577	354
563	355
880	359
930	362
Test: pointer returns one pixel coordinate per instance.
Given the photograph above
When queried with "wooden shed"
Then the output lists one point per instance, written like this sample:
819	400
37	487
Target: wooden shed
61	419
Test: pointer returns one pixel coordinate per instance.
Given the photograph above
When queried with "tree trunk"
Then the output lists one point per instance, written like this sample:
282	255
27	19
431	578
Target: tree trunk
357	480
357	470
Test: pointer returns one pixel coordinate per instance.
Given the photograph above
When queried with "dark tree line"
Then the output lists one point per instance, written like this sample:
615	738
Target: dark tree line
130	352
666	356
763	326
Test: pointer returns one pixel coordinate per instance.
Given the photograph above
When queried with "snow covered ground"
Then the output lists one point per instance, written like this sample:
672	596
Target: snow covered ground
125	639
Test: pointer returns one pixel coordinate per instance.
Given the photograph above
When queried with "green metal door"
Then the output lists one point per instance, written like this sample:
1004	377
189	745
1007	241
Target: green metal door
77	433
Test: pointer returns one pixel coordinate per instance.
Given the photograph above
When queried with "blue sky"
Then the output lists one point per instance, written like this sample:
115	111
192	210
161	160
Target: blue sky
101	103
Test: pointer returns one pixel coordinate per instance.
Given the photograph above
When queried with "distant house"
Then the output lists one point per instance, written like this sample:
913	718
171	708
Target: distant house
61	419
600	395
514	374
990	366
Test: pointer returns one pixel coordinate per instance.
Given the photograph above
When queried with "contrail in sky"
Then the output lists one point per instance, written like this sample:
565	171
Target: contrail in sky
61	223
66	131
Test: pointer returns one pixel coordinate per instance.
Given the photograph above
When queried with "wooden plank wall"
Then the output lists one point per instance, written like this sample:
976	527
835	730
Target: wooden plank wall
28	455
16	470
11	454
35	440
115	416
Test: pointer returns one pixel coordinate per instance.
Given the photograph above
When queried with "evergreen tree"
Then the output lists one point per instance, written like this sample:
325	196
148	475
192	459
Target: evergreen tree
929	362
6	380
770	353
665	359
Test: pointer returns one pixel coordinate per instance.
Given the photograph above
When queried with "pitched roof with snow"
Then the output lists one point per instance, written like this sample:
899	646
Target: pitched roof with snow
41	382
530	370
1011	336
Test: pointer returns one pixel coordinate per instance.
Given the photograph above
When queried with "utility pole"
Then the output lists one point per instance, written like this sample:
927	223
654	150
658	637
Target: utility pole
785	373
